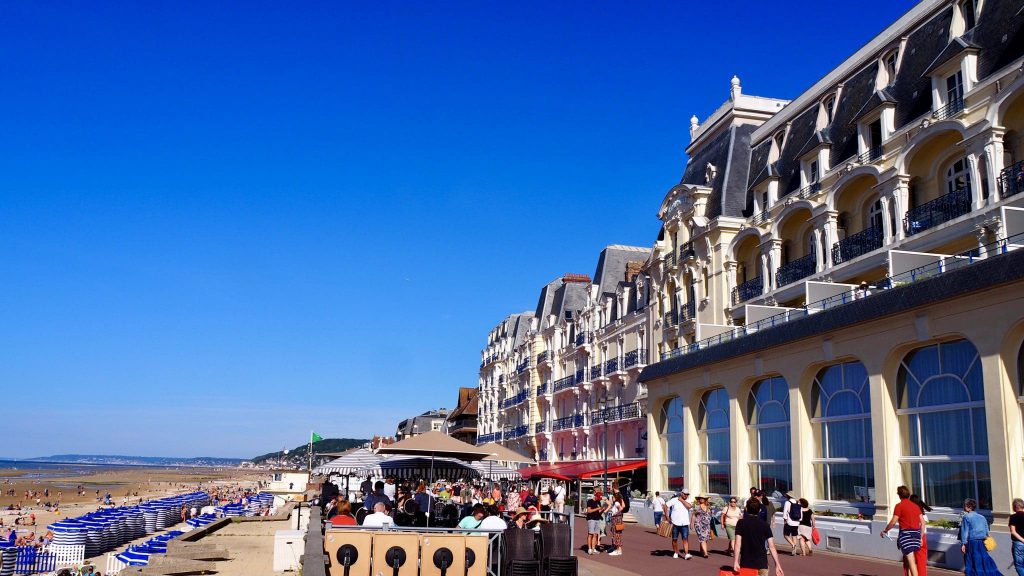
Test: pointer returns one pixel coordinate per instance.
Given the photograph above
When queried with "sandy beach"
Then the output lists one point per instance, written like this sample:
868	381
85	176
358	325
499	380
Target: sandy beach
136	483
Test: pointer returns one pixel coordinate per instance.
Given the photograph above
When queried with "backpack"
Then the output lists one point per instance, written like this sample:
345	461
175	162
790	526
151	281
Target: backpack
795	514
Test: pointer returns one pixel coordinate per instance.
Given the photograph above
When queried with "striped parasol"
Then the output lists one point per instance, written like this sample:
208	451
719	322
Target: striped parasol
350	462
420	467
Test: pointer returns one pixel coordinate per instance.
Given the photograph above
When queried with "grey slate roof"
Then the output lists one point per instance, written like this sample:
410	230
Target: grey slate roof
912	89
558	297
877	99
611	265
729	152
953	49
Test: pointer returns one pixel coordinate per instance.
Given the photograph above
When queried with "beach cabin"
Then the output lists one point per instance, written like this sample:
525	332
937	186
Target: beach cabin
287	485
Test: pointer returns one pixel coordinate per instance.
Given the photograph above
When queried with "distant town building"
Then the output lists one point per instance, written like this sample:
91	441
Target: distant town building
426	422
462	421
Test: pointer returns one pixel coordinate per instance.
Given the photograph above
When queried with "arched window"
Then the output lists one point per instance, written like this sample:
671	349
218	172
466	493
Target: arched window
672	432
829	106
875	215
942	420
969	15
714	432
889	61
841	416
768	420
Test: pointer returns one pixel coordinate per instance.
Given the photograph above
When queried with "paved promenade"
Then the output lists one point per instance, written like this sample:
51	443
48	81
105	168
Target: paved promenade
647	554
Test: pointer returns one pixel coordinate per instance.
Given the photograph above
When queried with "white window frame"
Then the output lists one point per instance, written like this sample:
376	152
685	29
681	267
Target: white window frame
703	433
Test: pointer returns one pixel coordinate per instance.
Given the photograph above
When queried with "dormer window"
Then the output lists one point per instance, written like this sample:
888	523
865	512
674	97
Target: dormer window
829	105
889	62
967	11
780	139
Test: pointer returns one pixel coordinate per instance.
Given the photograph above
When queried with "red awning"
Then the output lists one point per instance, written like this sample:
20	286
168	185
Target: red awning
578	469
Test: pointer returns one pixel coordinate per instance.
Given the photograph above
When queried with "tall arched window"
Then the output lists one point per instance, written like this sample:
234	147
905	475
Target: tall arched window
714	432
942	421
672	432
958	176
768	417
841	416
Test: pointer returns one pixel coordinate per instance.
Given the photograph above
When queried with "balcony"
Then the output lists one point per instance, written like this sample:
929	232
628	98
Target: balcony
952	108
463	425
523	366
514	400
686	251
636	357
670	259
544	388
542	455
760	218
795	270
516	432
543	357
565	383
540	428
611	366
566	423
809	190
747	290
595	372
672	318
689	311
1011	180
615	413
942	209
582	338
855	245
870	155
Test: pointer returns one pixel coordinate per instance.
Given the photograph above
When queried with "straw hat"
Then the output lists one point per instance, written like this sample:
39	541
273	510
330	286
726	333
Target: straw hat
520	512
536	519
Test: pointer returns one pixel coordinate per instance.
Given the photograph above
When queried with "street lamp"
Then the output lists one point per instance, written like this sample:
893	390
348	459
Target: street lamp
604	417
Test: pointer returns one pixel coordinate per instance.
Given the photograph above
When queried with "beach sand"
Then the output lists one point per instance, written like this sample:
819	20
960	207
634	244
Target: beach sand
148	483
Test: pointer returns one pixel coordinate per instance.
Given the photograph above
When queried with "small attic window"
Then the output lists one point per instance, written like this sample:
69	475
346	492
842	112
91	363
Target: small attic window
967	11
829	106
780	139
890	61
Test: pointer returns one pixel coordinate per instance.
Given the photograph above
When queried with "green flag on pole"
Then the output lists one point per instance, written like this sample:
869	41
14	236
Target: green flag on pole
315	437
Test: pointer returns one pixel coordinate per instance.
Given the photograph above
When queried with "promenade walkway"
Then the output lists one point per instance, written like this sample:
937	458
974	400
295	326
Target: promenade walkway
647	554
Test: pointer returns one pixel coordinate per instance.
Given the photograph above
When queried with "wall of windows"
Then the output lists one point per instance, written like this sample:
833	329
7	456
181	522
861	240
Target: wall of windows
942	421
841	417
714	435
768	418
672	432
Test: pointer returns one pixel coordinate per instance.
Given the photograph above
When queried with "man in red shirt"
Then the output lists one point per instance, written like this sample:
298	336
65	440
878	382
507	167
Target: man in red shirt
908	515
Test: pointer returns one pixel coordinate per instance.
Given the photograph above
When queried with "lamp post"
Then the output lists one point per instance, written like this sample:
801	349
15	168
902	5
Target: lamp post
604	417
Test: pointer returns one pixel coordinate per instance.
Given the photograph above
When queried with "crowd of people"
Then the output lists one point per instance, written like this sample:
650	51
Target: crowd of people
463	504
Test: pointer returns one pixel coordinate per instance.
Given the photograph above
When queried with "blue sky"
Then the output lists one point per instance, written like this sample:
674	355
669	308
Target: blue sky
223	226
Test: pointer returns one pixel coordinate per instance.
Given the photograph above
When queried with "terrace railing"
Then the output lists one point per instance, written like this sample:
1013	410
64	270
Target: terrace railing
855	245
635	357
750	289
870	155
611	366
952	108
565	383
809	190
795	270
938	211
615	413
1011	180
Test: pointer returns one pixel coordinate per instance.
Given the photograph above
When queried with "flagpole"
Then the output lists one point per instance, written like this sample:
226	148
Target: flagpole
309	452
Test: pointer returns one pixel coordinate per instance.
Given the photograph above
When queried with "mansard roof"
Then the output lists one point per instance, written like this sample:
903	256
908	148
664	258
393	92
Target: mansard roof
956	47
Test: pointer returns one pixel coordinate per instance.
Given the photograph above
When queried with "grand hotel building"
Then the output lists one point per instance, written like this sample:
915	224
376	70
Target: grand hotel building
834	303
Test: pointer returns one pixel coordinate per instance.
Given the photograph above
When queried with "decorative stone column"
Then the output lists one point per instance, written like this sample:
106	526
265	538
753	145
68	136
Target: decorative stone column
766	281
887	231
977	199
994	155
819	256
730	276
897	191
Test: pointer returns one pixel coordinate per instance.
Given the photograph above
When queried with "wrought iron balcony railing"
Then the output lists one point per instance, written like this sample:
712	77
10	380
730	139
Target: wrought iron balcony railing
952	108
543	357
1011	180
514	400
581	375
689	311
750	289
761	217
523	366
672	318
611	366
855	245
636	357
543	388
540	427
687	251
565	383
670	259
809	190
795	270
565	423
870	155
595	372
615	413
582	338
942	209
516	432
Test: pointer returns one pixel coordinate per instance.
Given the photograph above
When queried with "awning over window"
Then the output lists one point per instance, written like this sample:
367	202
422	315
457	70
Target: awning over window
578	469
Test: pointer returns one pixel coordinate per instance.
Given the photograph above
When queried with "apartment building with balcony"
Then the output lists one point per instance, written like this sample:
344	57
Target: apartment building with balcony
852	285
574	396
499	381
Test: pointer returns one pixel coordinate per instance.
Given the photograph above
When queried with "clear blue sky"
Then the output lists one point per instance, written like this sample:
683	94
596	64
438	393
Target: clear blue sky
223	226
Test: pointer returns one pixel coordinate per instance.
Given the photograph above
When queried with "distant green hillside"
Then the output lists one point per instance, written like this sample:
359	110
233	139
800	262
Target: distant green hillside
300	454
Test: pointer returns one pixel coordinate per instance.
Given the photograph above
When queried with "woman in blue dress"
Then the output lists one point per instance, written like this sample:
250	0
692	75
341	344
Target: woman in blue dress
973	531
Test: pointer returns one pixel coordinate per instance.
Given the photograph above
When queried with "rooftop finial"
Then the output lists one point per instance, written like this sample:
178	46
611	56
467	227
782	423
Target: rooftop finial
735	90
694	124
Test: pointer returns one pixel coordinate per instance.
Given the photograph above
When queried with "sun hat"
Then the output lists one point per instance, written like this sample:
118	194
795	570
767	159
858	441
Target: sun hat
536	518
520	512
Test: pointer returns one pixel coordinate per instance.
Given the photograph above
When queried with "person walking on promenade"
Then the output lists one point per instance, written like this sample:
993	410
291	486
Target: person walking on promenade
702	523
791	516
560	498
908	516
678	511
767	512
618	526
1017	535
731	514
595	510
922	554
754	541
806	528
658	504
973	532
